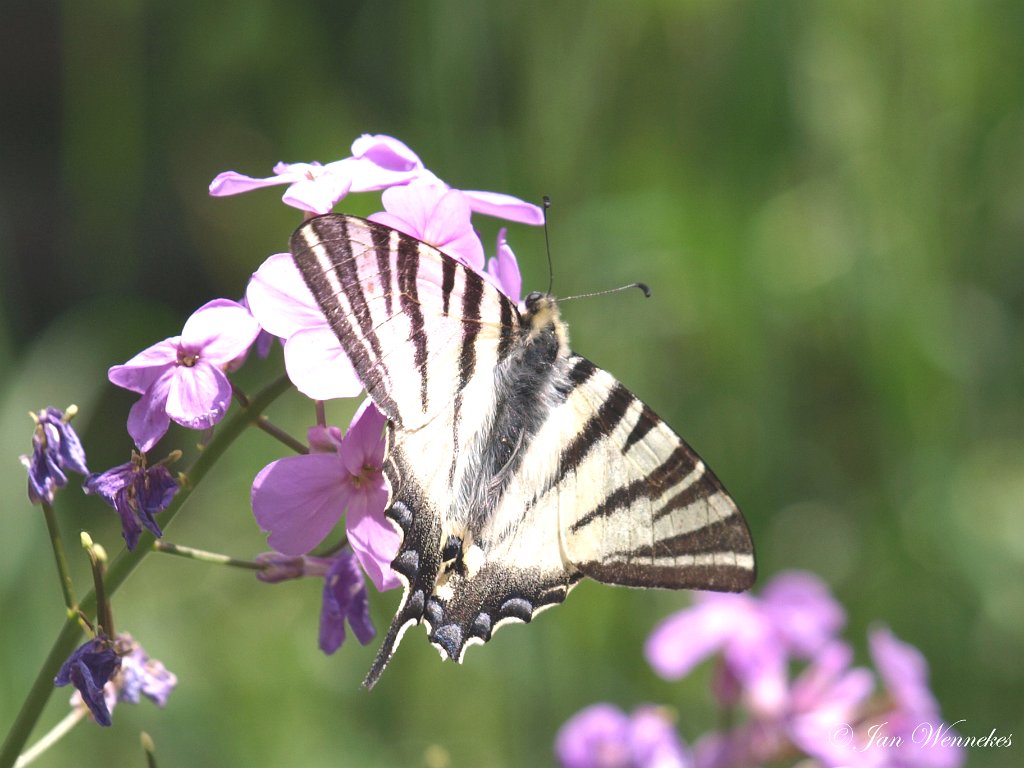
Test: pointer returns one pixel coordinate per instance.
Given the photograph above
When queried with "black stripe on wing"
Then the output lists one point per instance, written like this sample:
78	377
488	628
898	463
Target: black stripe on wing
408	272
397	264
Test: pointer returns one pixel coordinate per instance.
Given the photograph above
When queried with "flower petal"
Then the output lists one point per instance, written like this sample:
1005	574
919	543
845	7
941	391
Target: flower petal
219	331
372	536
298	500
504	207
344	598
317	195
198	396
386	152
318	366
139	373
364	444
685	639
435	215
802	610
504	270
280	300
147	419
904	671
595	736
234	183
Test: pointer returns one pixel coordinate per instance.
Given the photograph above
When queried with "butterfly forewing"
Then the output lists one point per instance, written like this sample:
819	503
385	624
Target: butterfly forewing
416	324
516	466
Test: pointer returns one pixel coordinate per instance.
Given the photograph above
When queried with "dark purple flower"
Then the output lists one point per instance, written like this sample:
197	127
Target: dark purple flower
144	676
89	668
344	593
603	736
137	492
345	599
55	448
299	499
182	379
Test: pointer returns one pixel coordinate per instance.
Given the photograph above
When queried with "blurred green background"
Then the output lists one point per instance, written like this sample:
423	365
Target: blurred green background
827	199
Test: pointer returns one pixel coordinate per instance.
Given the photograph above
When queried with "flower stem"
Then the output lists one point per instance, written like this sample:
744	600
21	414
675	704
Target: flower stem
267	426
122	566
206	557
276	432
54	735
59	557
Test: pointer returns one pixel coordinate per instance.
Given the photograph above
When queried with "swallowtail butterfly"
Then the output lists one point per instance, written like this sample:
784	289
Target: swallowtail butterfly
517	467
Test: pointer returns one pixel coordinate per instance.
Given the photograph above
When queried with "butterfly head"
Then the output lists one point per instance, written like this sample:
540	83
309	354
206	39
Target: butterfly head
542	318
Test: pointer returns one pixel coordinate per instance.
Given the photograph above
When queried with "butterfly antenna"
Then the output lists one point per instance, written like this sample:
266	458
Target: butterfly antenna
642	286
546	202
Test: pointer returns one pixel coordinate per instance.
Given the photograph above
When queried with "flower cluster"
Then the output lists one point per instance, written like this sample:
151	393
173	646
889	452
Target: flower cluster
300	499
788	681
184	379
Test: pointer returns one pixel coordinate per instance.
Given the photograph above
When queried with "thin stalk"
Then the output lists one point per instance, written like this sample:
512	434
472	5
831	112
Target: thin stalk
122	566
51	737
207	557
59	557
279	434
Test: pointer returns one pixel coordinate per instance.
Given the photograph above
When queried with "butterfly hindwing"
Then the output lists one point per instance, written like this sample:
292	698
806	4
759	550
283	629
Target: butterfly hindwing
516	467
658	517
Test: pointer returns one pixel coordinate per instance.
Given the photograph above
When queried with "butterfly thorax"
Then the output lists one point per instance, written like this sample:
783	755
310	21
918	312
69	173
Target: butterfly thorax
542	316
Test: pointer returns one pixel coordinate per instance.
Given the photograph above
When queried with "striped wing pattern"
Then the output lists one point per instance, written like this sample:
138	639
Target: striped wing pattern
516	466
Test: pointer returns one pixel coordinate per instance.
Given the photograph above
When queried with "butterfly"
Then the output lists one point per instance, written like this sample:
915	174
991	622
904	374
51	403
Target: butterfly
516	466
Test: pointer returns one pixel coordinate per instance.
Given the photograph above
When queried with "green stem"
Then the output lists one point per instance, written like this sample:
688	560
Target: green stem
121	568
279	434
207	557
59	557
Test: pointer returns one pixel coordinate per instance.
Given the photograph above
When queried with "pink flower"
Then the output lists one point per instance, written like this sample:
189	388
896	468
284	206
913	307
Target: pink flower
299	499
182	378
915	716
435	215
796	616
377	162
313	356
603	736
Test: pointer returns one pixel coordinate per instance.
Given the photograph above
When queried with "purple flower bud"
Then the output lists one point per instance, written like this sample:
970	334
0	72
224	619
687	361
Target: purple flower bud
89	668
55	448
137	492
